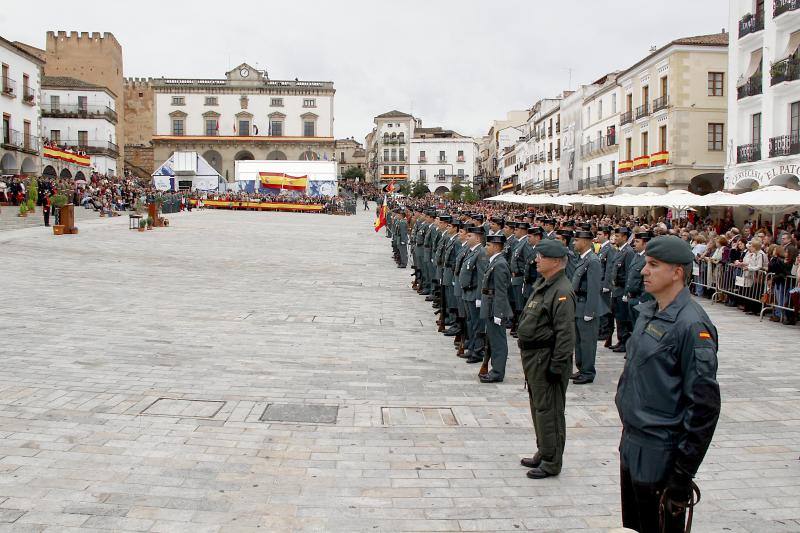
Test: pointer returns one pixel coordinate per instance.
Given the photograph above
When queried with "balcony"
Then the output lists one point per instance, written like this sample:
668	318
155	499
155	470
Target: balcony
660	103
106	148
9	87
79	111
785	70
642	111
583	184
28	96
558	128
641	162
423	159
626	118
752	87
784	145
748	153
751	23
550	131
17	140
549	157
551	185
659	158
558	153
460	159
779	7
442	160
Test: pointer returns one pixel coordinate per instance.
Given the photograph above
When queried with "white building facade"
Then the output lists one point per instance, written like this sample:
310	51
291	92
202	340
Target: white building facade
546	152
763	87
19	103
243	116
441	159
600	143
81	117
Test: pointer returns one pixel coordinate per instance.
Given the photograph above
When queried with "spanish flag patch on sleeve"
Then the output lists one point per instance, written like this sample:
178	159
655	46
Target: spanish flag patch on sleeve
705	335
562	298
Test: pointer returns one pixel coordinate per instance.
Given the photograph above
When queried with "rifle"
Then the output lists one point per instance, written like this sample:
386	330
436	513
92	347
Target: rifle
487	355
442	310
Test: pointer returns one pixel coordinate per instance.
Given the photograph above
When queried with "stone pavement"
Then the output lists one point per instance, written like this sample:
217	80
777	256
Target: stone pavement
10	219
160	381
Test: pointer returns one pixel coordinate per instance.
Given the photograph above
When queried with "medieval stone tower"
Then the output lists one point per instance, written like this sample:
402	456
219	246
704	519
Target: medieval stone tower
94	58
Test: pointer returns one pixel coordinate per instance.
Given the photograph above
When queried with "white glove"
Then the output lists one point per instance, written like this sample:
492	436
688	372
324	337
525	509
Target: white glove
588	318
477	303
498	321
624	298
606	289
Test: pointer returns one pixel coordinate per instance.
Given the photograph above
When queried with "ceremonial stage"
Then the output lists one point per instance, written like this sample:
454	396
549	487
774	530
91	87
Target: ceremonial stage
259	206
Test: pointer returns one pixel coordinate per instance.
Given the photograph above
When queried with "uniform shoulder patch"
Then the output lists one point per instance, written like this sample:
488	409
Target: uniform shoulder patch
562	298
704	335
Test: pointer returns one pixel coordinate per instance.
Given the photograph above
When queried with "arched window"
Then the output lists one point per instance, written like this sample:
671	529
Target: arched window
309	155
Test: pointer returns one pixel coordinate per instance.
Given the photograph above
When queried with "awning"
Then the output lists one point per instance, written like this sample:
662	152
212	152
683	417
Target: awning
753	67
794	44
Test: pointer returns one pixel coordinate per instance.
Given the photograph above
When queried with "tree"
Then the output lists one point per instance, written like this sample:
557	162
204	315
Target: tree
469	195
419	189
354	173
405	188
456	192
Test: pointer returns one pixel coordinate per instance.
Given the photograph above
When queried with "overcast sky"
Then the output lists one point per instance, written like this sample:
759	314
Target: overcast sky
452	63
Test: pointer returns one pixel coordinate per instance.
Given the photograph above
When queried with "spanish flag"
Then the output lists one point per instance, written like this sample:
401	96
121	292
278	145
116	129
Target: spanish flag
279	180
381	220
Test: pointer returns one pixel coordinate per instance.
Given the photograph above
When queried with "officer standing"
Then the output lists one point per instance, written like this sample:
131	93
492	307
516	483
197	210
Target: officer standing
586	285
622	263
634	283
520	255
606	257
470	277
547	341
495	308
668	397
565	236
463	332
535	235
402	238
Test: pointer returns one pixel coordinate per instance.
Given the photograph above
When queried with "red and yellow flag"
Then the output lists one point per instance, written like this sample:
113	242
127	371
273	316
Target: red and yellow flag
381	220
279	180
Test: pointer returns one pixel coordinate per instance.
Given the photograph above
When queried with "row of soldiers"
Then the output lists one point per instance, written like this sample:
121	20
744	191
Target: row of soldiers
476	301
555	289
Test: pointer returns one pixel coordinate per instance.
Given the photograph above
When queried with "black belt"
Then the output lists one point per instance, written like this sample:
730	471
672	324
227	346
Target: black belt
489	292
535	345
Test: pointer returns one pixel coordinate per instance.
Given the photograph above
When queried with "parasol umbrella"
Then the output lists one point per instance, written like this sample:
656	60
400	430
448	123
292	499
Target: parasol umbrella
772	199
677	199
716	199
648	199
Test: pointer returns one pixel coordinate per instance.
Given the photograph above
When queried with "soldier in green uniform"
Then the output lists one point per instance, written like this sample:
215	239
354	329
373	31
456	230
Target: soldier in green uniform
463	333
549	228
427	239
520	255
586	285
668	397
606	257
419	247
547	341
565	236
535	235
402	238
495	308
634	283
470	277
619	274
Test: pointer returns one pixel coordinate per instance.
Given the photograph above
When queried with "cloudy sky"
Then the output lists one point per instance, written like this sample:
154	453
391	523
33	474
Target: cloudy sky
453	63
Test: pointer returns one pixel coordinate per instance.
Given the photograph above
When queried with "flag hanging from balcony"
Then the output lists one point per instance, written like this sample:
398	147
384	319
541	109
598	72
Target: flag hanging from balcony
278	180
69	157
381	220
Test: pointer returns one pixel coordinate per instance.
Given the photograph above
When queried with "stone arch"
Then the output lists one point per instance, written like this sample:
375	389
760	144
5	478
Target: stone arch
276	155
65	174
789	181
214	159
441	190
309	155
746	184
643	184
80	175
8	164
28	166
244	155
707	183
49	171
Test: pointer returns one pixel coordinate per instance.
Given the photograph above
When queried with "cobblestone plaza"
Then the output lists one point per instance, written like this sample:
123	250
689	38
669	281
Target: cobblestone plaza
274	372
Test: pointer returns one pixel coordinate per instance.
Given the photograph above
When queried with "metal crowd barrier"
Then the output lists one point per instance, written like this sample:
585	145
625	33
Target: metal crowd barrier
784	294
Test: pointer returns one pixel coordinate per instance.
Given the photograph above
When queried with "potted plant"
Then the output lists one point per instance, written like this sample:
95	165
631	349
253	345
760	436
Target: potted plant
149	223
23	209
142	225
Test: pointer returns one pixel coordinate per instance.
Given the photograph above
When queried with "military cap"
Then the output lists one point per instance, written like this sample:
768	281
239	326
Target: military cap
497	220
475	229
584	234
670	249
565	233
606	229
478	216
535	230
644	235
625	230
458	224
586	226
499	238
519	217
540	218
551	248
550	221
446	218
523	225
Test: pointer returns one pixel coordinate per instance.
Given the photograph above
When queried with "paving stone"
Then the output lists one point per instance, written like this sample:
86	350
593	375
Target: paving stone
255	317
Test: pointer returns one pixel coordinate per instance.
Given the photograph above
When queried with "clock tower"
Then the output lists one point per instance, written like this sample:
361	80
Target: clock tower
245	73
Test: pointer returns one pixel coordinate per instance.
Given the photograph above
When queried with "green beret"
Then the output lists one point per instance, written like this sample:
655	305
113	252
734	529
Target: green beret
670	249
551	248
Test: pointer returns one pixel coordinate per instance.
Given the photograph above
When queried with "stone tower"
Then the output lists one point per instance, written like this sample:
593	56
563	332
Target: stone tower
94	58
140	121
